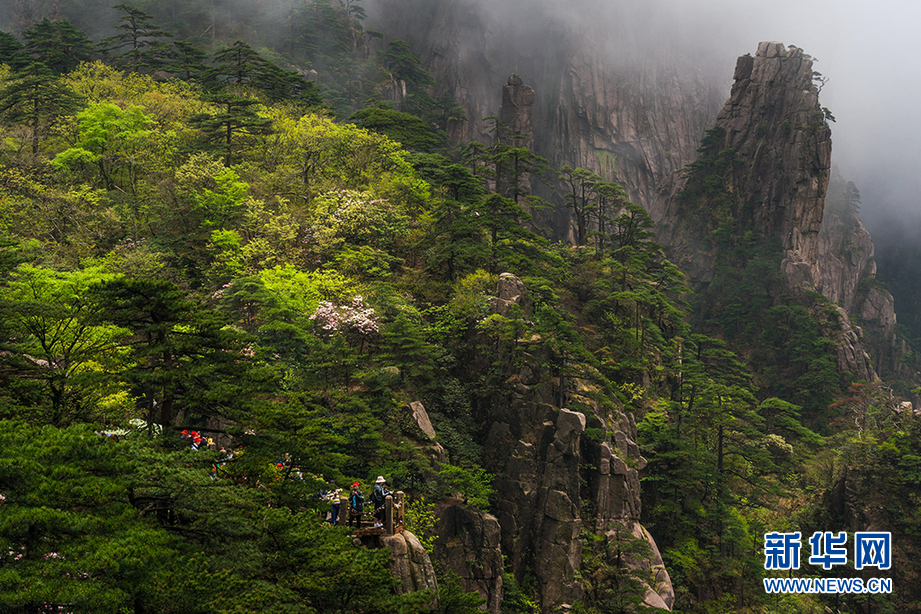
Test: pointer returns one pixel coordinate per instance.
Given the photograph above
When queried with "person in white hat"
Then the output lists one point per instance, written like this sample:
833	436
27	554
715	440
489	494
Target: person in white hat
377	498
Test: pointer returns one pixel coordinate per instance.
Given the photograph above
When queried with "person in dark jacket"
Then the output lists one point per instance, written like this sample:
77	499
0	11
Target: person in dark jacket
356	505
378	497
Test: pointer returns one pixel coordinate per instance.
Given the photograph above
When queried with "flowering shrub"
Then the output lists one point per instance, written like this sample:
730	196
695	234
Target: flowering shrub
354	317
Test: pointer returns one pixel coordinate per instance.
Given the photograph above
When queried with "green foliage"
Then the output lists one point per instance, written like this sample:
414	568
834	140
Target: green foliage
187	359
233	125
420	520
452	598
58	45
410	131
474	485
114	142
94	524
12	52
514	600
232	262
611	573
139	37
36	97
64	363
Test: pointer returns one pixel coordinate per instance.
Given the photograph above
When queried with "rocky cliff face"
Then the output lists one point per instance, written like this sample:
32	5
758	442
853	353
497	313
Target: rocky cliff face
468	543
639	120
637	117
634	119
409	563
776	176
554	481
845	273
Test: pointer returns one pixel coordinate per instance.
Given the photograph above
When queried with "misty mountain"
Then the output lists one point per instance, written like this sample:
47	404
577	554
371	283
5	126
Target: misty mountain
582	280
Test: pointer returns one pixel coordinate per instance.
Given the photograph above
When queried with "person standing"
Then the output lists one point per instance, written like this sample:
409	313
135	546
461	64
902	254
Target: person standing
356	505
377	498
334	502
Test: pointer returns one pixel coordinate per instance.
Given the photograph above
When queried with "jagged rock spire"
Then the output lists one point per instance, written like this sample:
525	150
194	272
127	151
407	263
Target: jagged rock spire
516	115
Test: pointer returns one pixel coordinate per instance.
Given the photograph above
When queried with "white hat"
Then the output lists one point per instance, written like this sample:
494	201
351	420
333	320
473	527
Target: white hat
380	480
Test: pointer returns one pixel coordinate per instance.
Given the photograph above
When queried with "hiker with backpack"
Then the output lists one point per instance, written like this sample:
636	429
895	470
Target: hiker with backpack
356	505
377	498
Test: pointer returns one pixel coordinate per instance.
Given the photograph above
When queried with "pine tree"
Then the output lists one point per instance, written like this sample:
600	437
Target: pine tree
239	63
224	130
580	198
142	39
456	243
58	45
12	52
36	97
187	60
187	358
279	84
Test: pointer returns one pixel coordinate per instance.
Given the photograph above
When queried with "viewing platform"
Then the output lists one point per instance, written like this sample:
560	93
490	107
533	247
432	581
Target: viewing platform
393	521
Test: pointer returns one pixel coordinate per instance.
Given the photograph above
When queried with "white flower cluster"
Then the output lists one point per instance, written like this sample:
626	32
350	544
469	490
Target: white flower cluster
342	318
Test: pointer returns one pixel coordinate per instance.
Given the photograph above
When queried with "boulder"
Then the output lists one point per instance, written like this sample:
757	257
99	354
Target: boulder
421	418
511	291
410	564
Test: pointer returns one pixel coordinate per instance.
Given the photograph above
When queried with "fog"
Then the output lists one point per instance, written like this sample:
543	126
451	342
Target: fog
865	52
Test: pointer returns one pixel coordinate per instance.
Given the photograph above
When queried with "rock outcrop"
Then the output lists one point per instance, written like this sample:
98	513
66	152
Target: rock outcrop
516	114
596	104
846	274
638	121
636	115
510	291
781	145
775	146
468	543
410	564
554	481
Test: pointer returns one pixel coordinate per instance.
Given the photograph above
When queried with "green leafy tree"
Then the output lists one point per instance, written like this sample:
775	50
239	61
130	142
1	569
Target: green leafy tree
69	364
405	67
711	451
112	140
354	9
611	199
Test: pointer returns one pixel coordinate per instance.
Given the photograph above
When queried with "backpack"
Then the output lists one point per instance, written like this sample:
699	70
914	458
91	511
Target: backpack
358	501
